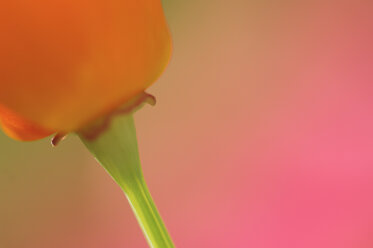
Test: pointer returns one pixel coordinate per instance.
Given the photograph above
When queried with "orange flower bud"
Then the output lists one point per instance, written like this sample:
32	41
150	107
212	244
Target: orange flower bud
19	128
64	63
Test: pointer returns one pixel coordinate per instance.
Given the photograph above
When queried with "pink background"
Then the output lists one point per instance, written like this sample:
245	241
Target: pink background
262	137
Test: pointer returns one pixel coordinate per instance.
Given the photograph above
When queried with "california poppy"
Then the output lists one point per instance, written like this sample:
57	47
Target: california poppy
64	63
70	66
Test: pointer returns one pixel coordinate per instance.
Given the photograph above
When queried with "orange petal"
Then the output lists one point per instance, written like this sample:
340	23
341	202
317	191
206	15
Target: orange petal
64	63
20	129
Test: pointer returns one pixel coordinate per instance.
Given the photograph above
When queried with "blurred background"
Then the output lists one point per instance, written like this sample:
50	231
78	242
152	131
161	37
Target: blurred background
262	137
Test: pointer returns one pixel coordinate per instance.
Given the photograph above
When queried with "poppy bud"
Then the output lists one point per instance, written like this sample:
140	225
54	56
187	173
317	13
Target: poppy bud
65	63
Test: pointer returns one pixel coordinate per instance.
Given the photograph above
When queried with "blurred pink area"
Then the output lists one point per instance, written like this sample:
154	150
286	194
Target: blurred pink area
262	136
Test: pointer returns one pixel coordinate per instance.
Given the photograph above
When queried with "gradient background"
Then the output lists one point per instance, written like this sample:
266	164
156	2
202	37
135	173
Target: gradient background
262	137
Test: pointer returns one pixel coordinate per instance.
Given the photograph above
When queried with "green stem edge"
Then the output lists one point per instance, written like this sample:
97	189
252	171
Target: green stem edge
116	150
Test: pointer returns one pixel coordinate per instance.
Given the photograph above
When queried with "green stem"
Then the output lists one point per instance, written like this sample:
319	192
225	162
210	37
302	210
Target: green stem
116	150
148	216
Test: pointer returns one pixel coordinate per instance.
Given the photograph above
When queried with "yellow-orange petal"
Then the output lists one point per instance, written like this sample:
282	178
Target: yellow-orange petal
64	63
19	128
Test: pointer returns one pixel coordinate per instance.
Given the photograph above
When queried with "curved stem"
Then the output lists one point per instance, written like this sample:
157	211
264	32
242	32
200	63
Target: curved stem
116	150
